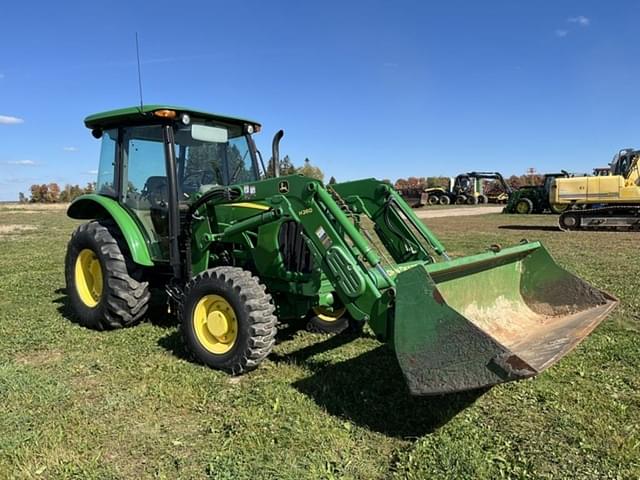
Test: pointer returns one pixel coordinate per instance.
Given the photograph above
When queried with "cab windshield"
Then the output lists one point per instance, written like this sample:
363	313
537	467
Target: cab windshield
211	154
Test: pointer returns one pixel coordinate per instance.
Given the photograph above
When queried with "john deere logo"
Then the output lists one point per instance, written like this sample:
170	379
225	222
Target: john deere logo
283	187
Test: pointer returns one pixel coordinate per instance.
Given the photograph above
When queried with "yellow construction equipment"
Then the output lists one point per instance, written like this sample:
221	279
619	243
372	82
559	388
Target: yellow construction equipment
610	202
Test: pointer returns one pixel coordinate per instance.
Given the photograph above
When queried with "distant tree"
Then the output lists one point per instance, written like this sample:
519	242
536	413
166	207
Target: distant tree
38	193
434	182
311	171
21	198
70	192
64	194
286	167
77	190
90	188
514	181
332	180
53	193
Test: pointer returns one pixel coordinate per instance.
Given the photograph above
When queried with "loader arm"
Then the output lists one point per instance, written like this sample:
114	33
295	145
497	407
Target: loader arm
455	325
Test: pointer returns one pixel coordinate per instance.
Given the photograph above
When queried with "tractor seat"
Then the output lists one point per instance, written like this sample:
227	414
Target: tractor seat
156	191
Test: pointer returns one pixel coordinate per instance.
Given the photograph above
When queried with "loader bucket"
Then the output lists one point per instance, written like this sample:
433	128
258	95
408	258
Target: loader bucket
491	318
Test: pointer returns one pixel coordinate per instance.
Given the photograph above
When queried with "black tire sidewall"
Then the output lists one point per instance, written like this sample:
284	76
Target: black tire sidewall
90	316
318	325
216	286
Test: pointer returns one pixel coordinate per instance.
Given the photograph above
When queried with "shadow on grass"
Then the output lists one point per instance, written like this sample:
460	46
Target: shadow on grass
63	305
370	391
172	342
543	228
157	314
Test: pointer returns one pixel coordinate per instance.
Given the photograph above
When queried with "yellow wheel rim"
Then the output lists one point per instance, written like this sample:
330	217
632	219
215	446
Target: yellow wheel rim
215	324
329	314
88	276
560	207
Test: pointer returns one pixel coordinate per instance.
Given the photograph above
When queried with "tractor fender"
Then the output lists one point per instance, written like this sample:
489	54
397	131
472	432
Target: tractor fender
93	206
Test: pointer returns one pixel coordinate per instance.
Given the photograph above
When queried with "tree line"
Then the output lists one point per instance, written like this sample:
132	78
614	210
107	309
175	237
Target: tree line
52	193
288	168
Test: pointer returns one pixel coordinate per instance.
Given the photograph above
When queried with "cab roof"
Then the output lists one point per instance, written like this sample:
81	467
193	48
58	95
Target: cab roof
139	114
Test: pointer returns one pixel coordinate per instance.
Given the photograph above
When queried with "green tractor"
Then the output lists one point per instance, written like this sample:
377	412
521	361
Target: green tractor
183	206
535	198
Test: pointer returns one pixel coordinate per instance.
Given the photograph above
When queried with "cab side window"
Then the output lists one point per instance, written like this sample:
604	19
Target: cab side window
105	184
144	183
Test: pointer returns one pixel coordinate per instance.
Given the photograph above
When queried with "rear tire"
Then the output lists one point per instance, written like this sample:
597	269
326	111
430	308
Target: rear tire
227	320
432	200
461	200
483	199
472	200
524	206
444	200
104	285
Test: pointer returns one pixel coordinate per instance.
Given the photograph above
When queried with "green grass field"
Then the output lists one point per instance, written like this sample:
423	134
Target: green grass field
75	403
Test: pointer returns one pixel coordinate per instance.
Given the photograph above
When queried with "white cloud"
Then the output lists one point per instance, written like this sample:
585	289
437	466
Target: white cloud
580	20
92	172
561	33
9	120
70	149
20	162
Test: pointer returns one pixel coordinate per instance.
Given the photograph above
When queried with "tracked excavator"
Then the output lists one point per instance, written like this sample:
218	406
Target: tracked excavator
609	202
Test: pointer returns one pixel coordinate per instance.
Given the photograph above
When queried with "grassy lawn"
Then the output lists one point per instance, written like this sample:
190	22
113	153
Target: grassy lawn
127	404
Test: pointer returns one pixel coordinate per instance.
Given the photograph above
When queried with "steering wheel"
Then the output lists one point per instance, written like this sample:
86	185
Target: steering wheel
193	179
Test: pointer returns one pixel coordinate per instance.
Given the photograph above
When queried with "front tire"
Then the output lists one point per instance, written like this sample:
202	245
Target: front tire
105	287
227	320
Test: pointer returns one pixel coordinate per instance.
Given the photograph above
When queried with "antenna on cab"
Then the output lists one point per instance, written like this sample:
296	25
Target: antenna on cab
139	73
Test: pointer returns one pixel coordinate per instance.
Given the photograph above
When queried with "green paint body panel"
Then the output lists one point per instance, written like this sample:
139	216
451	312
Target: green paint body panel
94	206
131	114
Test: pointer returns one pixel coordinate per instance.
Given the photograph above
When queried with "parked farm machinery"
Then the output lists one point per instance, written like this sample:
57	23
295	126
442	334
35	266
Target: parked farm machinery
181	205
536	198
609	200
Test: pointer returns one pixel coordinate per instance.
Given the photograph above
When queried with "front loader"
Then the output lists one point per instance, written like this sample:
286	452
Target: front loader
181	205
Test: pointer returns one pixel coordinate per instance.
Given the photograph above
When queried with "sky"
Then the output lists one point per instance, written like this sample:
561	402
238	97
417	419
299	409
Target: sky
383	89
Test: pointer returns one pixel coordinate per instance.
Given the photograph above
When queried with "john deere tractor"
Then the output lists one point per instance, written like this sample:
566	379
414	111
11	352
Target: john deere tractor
535	198
183	206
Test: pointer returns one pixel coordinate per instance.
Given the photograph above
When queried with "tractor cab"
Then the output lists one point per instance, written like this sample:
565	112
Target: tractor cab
156	155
